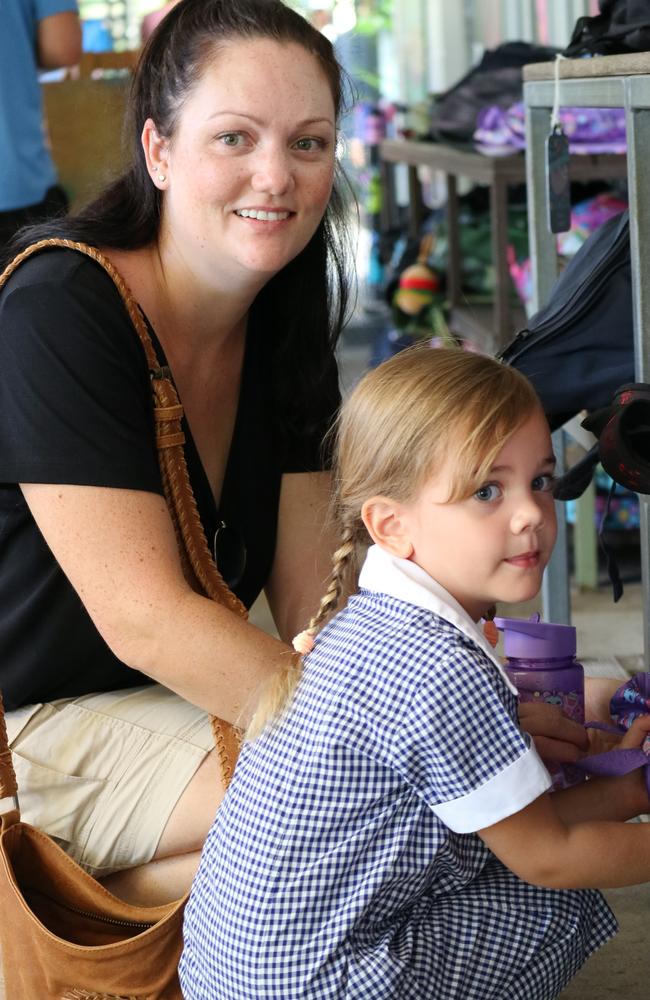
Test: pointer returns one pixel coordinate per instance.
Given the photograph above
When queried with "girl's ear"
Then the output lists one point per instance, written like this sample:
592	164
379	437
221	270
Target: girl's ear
156	153
385	523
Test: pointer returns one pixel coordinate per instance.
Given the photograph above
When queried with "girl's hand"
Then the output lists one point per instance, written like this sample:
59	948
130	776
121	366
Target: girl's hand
636	735
556	737
600	742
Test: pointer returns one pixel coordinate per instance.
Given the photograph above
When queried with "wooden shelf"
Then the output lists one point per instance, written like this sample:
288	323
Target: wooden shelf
498	173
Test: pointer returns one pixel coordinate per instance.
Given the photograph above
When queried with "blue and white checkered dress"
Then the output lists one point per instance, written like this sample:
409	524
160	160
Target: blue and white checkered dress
344	861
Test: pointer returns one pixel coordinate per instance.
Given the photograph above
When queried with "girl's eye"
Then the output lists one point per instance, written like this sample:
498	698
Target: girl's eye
309	145
544	483
488	492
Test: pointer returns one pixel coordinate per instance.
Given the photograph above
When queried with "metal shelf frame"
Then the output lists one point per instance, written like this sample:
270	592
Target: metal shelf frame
489	328
607	91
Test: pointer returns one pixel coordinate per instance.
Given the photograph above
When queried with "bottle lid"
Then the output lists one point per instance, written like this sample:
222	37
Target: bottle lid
534	639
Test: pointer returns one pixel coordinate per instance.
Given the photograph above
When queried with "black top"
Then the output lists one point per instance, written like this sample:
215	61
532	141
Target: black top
76	408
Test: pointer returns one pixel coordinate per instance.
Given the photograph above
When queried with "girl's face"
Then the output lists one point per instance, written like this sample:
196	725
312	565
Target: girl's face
493	546
250	169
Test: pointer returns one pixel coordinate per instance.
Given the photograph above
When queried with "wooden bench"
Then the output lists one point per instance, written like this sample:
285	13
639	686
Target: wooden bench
85	116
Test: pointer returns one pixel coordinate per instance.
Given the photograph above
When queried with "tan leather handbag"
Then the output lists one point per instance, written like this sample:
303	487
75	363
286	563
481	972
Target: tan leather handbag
63	935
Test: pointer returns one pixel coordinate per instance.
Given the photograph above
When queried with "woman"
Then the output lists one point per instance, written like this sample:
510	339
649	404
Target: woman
228	231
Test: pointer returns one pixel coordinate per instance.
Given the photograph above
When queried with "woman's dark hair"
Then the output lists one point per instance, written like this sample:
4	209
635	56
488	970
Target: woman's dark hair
307	302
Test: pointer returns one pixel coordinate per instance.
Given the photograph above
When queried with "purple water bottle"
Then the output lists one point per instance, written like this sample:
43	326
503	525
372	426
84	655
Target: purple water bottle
541	663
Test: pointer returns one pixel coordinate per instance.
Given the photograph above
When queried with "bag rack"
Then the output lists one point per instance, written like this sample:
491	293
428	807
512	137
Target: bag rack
604	82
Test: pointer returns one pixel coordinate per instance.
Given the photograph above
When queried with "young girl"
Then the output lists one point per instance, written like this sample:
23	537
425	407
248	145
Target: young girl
389	835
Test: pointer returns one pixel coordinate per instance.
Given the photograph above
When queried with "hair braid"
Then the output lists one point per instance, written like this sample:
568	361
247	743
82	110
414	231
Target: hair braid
341	562
281	689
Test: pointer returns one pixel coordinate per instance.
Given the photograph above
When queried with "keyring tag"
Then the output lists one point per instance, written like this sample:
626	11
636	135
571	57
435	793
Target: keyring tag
557	177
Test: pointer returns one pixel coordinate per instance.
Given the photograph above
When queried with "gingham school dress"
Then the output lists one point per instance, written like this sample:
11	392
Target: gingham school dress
344	861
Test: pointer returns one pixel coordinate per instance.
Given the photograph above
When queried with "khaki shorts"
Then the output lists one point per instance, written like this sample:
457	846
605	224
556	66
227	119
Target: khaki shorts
102	773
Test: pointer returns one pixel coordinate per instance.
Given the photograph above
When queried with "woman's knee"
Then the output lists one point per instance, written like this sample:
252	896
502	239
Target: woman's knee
193	814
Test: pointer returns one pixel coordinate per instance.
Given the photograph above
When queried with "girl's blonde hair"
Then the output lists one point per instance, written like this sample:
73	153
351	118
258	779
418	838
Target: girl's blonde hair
404	421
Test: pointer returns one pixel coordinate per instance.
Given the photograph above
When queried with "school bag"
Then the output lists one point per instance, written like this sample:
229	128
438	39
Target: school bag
496	80
578	351
622	26
579	347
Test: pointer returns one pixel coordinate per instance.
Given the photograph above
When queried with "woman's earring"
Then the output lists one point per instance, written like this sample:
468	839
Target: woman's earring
162	177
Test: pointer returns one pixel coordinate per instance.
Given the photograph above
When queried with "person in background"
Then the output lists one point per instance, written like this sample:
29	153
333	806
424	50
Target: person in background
34	34
230	231
388	832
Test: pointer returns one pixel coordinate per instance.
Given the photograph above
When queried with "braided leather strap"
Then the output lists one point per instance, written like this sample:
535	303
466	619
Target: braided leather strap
78	994
198	565
8	786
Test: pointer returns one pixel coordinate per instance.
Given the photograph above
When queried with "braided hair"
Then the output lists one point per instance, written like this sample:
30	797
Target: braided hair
401	423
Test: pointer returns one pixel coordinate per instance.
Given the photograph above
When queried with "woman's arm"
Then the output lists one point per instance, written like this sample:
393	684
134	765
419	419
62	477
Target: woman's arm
576	839
303	555
118	549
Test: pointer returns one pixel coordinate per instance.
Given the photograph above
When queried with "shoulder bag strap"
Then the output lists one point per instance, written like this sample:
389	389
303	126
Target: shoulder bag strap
198	564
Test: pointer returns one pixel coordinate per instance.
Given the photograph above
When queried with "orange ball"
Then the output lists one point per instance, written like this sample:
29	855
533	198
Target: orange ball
418	286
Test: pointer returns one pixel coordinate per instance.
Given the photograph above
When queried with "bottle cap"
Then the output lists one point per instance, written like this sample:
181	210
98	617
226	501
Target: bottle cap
533	639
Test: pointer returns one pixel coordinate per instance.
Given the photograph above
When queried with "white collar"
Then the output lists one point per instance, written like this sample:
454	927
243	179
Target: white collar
405	580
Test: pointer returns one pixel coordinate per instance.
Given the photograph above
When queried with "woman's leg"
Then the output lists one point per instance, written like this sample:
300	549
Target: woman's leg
169	874
598	694
155	883
119	778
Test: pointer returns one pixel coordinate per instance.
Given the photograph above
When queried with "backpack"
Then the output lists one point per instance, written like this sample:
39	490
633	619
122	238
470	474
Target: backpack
578	352
496	80
622	26
579	348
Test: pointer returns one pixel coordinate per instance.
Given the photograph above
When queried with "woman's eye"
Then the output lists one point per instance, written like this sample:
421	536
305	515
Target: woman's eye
544	483
488	492
308	144
231	138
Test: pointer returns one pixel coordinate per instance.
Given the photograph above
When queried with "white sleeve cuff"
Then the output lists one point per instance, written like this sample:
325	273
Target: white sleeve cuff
509	791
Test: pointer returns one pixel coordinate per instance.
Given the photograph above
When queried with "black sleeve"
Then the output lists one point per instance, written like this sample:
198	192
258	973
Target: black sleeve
75	399
308	446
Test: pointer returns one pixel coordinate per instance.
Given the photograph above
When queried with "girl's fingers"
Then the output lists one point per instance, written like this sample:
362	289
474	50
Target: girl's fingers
557	751
636	734
556	737
601	742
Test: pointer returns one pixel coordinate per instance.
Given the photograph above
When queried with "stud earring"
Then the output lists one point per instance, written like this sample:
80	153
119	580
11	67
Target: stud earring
162	177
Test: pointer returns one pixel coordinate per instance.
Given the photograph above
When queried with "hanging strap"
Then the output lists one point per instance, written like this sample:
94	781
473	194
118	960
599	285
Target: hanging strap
198	565
8	787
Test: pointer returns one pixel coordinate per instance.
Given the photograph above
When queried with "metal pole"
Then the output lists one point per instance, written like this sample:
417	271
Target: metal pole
637	113
556	597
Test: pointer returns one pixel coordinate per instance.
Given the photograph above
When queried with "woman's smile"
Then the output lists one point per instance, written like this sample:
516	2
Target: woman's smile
263	214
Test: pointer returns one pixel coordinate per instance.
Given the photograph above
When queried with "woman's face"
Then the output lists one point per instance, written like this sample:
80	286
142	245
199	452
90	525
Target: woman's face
249	171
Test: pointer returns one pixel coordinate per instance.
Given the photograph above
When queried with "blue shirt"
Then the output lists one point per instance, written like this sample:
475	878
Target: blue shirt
26	168
344	862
